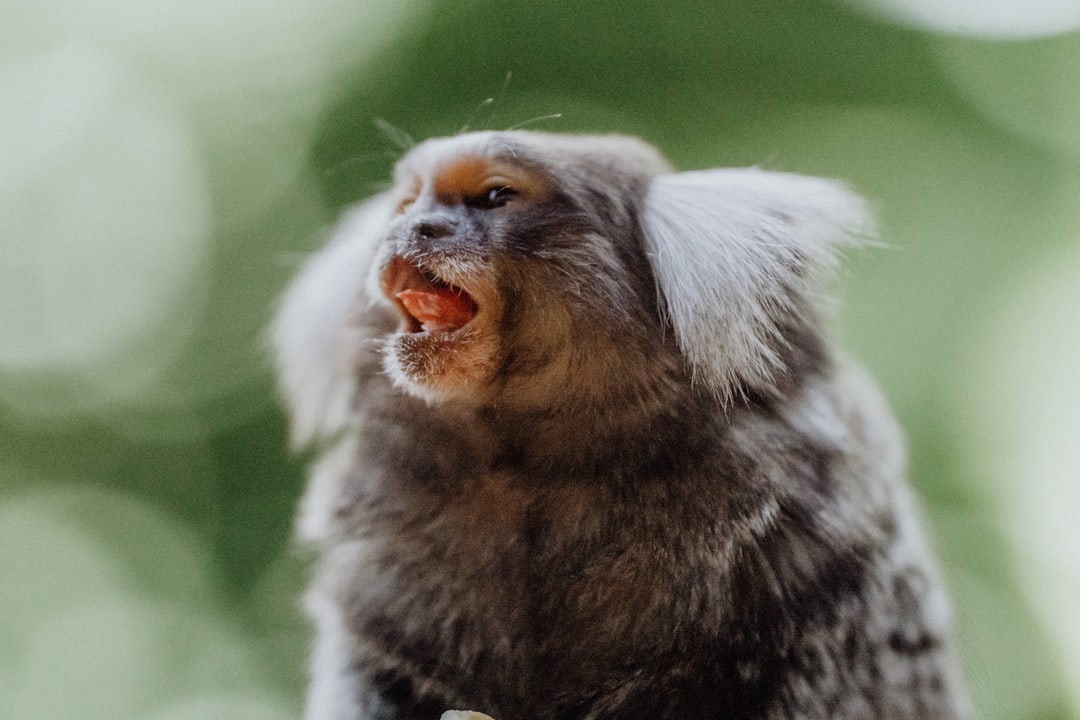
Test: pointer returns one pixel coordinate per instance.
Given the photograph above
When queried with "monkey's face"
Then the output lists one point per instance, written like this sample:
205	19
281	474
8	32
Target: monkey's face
515	265
530	270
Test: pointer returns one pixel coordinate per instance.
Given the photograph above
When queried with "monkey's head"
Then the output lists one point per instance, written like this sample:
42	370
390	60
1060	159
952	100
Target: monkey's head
537	271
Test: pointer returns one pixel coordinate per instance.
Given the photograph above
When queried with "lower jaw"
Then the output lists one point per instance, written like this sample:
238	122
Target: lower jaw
436	365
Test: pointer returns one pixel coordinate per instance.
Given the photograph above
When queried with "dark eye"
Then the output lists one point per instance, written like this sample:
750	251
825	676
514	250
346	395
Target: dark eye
494	197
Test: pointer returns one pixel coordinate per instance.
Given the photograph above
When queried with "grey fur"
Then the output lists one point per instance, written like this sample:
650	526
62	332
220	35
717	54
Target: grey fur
636	485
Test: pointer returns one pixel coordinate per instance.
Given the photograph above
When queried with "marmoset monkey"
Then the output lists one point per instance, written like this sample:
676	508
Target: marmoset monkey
585	452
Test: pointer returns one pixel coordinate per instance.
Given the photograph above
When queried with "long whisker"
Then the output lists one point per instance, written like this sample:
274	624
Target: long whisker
398	137
541	118
486	101
499	98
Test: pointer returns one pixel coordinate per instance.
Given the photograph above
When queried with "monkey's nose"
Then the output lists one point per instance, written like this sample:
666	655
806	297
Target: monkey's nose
432	230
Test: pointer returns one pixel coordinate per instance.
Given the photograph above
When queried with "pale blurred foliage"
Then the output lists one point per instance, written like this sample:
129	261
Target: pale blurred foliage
165	164
1022	392
155	168
994	19
105	255
155	171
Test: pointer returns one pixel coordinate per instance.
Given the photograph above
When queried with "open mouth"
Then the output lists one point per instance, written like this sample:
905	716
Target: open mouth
427	303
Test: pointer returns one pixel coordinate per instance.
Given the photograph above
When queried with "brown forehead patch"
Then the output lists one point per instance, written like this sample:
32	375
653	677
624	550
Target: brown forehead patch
473	175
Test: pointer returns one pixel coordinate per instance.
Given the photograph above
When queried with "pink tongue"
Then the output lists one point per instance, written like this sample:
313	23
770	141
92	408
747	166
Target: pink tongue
438	309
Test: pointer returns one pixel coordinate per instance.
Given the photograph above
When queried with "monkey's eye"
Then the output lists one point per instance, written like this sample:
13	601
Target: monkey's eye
494	197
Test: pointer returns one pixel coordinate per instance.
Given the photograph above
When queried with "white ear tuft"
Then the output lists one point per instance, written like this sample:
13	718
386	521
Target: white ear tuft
736	254
307	331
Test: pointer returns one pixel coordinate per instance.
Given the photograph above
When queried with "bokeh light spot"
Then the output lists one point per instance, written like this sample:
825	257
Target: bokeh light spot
104	229
985	18
113	614
57	565
124	656
1031	88
1020	398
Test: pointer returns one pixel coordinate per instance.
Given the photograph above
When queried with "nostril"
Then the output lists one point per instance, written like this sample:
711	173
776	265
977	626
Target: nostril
433	230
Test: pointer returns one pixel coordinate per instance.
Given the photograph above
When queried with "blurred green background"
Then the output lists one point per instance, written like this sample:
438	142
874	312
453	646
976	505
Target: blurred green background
165	165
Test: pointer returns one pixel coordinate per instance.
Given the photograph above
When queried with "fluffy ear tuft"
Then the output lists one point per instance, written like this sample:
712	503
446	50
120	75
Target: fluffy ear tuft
737	255
308	330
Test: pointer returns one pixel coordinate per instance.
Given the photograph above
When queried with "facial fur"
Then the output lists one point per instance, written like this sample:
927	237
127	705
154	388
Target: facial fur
549	257
587	454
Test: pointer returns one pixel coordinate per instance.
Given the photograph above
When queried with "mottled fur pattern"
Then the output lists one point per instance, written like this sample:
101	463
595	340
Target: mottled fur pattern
637	484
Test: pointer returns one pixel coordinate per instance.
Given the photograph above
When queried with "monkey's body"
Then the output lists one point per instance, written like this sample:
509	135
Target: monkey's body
584	518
